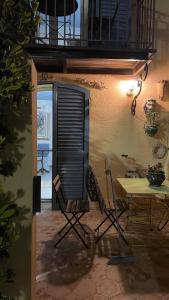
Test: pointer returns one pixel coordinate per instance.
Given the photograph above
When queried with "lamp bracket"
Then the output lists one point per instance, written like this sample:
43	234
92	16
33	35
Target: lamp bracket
143	77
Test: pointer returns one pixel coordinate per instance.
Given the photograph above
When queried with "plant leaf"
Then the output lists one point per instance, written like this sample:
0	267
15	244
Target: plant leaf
8	213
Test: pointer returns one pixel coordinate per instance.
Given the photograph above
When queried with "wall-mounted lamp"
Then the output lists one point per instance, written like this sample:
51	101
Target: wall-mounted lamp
129	87
133	88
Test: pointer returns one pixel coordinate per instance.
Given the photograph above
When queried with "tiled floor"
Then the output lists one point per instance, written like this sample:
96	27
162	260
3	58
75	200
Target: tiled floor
71	272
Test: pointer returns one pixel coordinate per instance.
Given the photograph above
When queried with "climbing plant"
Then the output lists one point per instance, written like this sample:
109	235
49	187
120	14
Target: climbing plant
18	21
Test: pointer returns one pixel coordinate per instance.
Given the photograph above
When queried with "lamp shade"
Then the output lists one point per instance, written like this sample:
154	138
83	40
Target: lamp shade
56	7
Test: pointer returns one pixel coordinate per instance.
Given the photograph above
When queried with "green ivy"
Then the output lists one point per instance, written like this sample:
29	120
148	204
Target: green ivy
18	21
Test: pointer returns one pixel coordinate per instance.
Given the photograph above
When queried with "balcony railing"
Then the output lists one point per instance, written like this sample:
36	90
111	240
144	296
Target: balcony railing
97	23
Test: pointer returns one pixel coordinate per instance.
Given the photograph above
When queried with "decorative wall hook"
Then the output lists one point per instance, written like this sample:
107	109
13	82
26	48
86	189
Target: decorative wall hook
134	103
143	77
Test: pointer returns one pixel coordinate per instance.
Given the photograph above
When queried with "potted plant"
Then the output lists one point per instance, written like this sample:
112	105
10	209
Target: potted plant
155	175
152	123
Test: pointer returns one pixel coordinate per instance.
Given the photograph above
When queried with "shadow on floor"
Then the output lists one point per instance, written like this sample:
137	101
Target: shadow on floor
69	261
71	271
149	273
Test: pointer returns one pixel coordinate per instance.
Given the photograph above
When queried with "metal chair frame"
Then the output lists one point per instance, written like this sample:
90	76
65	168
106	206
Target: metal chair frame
111	214
72	211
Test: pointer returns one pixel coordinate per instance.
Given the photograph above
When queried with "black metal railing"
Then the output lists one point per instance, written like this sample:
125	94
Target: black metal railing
145	23
97	23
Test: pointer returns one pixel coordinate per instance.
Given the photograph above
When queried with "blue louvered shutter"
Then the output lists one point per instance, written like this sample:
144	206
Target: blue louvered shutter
71	140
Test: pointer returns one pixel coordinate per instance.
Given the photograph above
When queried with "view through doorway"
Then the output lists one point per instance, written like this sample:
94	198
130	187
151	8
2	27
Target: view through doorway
44	139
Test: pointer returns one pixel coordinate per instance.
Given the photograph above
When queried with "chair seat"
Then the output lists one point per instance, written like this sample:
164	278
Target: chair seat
75	206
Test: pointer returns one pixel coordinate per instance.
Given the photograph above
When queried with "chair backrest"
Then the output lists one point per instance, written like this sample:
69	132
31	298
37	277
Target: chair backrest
59	193
93	189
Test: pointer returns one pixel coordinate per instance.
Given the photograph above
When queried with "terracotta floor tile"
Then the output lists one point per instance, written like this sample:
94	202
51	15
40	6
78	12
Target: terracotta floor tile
72	272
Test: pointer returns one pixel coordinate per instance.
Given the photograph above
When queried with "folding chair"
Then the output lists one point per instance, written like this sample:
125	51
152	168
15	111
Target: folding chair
94	193
73	210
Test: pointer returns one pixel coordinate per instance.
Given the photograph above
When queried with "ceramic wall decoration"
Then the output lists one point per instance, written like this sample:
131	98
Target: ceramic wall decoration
149	105
159	151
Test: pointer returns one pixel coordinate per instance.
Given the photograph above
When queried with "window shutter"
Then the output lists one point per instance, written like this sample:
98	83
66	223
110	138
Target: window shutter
71	140
121	26
118	14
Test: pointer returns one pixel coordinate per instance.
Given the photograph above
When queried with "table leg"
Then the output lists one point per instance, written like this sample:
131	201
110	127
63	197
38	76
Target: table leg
162	224
150	217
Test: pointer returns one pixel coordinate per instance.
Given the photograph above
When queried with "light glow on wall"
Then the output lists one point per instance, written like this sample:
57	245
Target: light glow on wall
129	87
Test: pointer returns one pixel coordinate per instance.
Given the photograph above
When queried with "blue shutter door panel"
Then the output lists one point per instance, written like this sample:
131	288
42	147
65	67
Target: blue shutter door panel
71	140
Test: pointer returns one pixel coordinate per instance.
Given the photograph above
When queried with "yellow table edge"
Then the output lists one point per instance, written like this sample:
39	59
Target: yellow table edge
141	186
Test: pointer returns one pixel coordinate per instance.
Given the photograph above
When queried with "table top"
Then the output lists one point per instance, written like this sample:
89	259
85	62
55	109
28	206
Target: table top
141	186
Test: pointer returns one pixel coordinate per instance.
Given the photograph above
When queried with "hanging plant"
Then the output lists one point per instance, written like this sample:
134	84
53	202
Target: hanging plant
152	123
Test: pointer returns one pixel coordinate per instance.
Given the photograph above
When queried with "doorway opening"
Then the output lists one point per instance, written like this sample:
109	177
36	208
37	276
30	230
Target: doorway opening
44	139
62	140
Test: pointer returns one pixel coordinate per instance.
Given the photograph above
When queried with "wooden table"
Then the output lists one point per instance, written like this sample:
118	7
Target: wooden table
141	187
